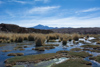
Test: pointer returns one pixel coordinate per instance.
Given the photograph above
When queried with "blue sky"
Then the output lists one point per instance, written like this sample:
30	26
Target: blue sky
54	13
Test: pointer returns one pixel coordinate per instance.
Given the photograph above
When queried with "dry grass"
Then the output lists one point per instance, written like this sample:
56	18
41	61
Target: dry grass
64	42
31	37
75	37
6	50
98	42
53	36
76	49
16	54
91	46
20	37
40	39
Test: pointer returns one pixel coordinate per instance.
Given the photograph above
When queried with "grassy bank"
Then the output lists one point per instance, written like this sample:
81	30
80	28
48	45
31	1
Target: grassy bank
31	58
97	58
74	63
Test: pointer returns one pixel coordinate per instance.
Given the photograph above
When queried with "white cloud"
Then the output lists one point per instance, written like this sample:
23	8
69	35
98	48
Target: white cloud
22	2
1	2
88	10
41	10
10	14
45	1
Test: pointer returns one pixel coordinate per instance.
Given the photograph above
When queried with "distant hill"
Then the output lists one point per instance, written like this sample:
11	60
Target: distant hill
43	27
17	29
95	30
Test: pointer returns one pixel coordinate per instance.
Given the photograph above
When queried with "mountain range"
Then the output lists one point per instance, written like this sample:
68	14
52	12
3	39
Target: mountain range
12	28
43	27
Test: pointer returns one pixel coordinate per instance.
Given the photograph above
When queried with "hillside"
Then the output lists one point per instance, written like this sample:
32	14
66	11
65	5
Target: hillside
78	30
17	29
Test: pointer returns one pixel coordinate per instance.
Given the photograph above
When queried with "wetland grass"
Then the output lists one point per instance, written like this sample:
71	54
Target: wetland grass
75	37
76	49
97	58
74	63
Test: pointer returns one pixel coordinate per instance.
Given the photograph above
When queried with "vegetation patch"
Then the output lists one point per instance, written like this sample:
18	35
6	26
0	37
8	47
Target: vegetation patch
40	40
51	45
71	54
18	47
76	49
98	42
51	41
21	49
91	46
43	48
31	37
6	50
64	42
74	63
1	45
98	51
16	54
24	44
32	58
97	58
75	37
86	49
18	66
78	54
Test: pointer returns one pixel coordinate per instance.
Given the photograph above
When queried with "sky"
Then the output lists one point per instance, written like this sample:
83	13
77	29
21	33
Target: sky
53	13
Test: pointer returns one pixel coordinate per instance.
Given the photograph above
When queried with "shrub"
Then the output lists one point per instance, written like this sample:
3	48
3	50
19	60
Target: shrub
75	37
76	49
19	39
31	37
40	40
98	42
69	38
15	54
64	42
25	46
39	48
91	46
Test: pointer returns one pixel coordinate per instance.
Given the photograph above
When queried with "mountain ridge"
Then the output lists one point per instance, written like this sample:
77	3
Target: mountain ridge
40	26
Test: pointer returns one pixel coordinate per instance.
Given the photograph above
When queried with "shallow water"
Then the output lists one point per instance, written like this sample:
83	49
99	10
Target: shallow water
29	51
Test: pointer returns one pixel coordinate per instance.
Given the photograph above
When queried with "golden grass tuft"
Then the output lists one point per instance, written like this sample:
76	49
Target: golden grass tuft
75	37
40	39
